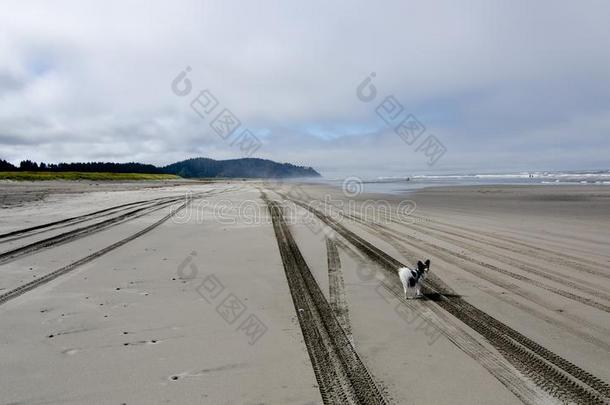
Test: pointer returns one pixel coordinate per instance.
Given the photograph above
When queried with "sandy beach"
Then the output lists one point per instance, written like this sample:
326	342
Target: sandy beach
274	293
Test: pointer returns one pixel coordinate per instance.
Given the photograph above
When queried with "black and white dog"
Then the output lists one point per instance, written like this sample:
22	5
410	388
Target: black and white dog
411	279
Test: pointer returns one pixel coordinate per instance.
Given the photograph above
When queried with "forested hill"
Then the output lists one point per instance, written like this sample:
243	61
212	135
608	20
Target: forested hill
197	167
247	167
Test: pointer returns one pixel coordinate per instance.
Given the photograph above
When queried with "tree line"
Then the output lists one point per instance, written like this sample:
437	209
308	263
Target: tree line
190	168
109	167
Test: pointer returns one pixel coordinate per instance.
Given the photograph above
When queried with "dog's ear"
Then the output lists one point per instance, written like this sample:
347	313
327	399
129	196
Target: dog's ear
420	266
428	264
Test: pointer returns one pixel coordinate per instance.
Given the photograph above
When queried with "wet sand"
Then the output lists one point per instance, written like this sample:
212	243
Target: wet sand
203	308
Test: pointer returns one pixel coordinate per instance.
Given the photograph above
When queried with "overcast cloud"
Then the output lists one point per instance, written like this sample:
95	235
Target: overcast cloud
505	85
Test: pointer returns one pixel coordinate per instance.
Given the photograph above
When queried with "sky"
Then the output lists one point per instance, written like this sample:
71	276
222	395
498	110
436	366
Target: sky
494	86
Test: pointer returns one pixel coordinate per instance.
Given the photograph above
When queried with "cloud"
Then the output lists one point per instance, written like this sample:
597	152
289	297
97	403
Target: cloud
504	86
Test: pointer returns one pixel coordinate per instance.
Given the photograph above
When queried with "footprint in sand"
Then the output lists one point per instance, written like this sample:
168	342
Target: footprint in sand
70	352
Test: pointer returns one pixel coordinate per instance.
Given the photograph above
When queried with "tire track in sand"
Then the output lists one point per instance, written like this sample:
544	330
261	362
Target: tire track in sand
395	239
558	377
74	234
341	375
34	230
22	289
336	288
454	331
515	246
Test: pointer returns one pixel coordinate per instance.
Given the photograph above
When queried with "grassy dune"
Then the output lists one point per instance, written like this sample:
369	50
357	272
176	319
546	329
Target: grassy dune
33	176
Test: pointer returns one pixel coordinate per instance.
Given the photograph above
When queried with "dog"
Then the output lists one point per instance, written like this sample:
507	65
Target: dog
411	279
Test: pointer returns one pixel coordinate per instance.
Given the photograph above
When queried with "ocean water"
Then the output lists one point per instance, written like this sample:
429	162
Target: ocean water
398	185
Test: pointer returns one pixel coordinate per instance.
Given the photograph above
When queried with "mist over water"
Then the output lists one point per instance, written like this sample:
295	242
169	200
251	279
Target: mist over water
398	185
